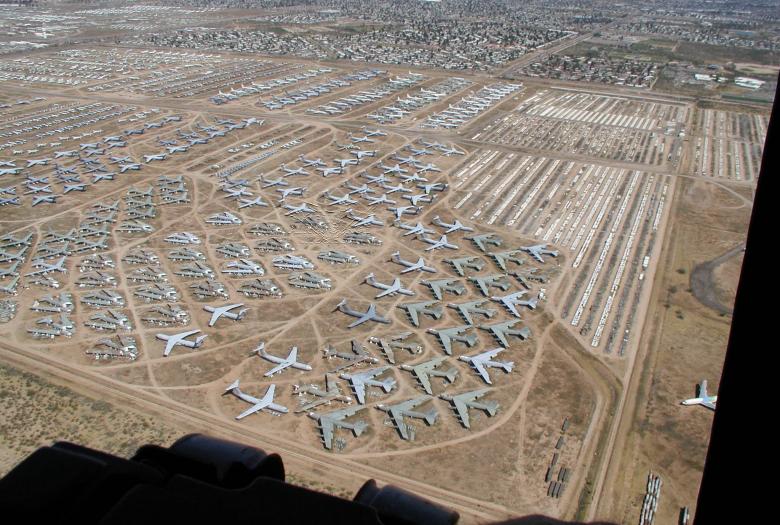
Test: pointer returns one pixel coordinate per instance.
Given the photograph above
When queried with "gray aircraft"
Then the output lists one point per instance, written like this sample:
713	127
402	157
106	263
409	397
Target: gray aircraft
411	266
332	392
396	342
483	240
472	307
417	229
501	258
538	250
423	372
439	286
482	361
360	380
449	335
368	315
415	310
282	363
501	331
462	402
225	311
512	300
485	282
398	411
329	421
435	244
388	289
357	355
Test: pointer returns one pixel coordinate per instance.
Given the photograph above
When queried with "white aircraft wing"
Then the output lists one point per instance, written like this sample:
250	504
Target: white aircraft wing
169	344
216	315
480	367
251	410
511	306
278	368
708	404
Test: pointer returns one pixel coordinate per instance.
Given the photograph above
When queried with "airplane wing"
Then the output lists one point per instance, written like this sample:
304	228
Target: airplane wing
360	390
479	367
277	368
169	344
703	389
425	381
389	290
708	404
397	415
501	336
216	315
463	411
511	307
326	425
278	408
413	315
362	319
251	410
293	357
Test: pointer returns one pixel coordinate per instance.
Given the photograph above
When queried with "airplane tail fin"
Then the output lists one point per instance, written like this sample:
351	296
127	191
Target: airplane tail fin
703	389
491	407
241	313
508	366
343	302
260	350
387	385
359	428
532	303
452	373
430	416
233	386
199	340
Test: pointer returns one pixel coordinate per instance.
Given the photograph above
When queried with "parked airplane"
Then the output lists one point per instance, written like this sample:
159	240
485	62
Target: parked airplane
404	210
472	307
286	192
310	162
398	411
513	299
180	339
326	172
368	315
411	266
538	250
382	199
360	380
415	310
455	226
303	208
225	311
336	200
388	289
150	158
43	267
281	362
265	402
702	398
330	420
462	402
436	244
369	220
482	361
268	183
423	372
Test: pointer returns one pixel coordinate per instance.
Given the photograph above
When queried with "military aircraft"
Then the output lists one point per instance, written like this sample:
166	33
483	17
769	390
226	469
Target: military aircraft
268	182
415	310
404	210
360	380
423	372
378	179
502	330
411	266
159	156
10	287
289	172
455	226
538	250
482	361
398	411
246	203
442	242
303	208
264	403
485	282
435	186
69	153
383	199
356	356
472	307
343	163
286	192
462	402
447	151
415	177
332	392
369	220
326	172
388	289
501	258
37	162
330	420
368	315
396	169
398	187
359	153
130	166
281	362
448	335
460	263
336	200
360	190
418	228
439	286
310	162
513	299
702	398
225	311
484	239
180	339
43	267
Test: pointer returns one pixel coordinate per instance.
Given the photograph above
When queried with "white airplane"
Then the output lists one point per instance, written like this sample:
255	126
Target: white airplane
399	187
44	267
379	179
369	220
266	402
177	149
150	158
393	169
330	171
180	339
415	199
289	172
481	362
411	230
413	178
382	199
37	162
441	243
245	203
311	162
337	200
281	362
412	266
513	299
345	162
268	183
224	311
286	192
703	398
360	190
388	289
131	166
69	153
303	208
455	226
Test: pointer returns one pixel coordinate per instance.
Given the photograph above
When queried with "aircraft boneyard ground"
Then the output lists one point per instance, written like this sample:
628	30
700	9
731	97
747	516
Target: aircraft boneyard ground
525	175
